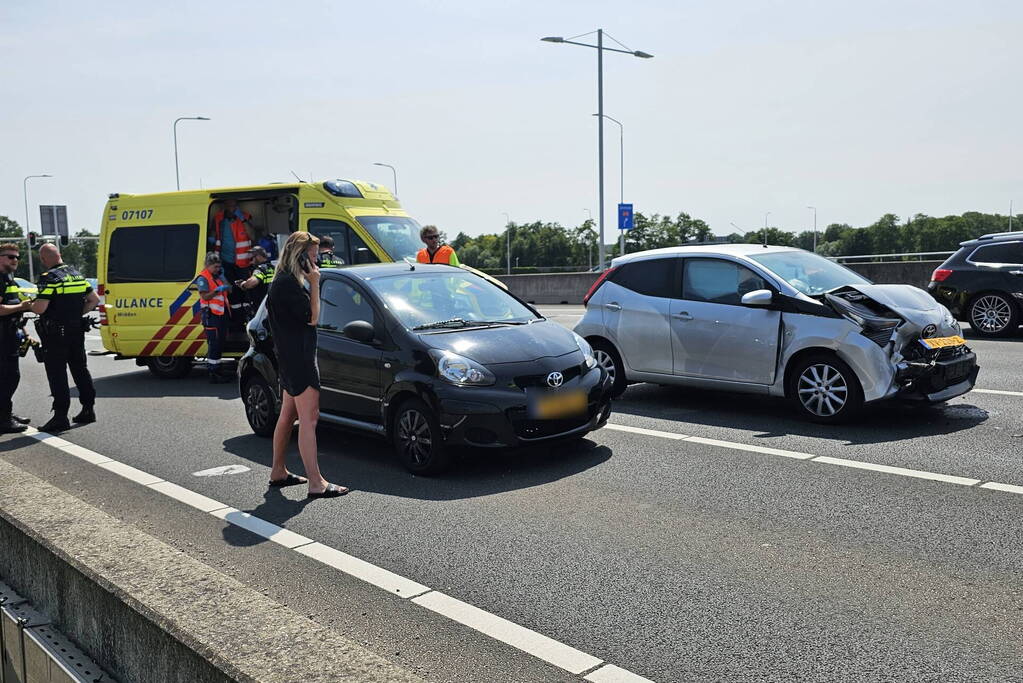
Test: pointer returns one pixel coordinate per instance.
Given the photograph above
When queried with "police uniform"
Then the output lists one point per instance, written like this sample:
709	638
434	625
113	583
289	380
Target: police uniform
326	259
62	332
264	274
10	340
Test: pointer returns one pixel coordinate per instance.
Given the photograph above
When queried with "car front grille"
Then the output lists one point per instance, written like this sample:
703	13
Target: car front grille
540	429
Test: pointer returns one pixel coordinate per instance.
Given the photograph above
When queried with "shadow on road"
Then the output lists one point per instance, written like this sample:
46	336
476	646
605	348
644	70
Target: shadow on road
771	417
365	463
275	508
143	384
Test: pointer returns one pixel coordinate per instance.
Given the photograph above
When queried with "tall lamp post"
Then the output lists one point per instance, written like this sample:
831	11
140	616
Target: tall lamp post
28	249
589	244
621	175
394	174
600	115
765	227
814	209
507	234
177	176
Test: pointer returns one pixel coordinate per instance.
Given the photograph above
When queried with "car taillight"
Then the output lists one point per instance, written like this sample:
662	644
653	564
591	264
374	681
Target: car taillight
940	275
596	285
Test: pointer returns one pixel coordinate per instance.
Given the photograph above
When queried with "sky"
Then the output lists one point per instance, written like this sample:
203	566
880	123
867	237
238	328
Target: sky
748	107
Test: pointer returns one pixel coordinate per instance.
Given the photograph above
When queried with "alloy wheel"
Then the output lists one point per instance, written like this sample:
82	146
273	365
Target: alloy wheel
605	361
822	390
257	406
415	437
990	314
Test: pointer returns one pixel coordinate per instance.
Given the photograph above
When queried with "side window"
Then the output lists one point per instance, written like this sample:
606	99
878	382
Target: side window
652	277
1007	252
153	253
358	246
719	282
338	230
340	304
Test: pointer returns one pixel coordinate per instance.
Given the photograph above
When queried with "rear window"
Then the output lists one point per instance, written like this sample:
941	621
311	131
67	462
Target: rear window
652	277
156	253
1007	252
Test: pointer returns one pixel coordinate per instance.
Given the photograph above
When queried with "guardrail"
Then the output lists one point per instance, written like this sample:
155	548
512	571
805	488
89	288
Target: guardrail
906	256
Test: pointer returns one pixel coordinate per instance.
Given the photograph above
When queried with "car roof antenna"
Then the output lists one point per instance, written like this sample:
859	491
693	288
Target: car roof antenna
410	262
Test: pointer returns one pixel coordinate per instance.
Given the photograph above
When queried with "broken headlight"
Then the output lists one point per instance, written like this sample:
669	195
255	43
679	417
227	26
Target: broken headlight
876	328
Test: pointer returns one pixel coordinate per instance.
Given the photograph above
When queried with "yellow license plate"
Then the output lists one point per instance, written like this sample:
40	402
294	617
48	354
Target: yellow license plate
561	404
942	342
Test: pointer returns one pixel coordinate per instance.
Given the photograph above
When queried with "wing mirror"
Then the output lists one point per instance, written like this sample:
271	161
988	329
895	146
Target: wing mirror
758	297
359	330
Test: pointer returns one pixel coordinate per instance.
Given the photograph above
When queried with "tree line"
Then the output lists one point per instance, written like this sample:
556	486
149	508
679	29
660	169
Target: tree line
541	245
79	253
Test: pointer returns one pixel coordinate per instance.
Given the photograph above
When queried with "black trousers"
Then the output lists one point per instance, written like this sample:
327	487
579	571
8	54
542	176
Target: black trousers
66	351
10	376
215	327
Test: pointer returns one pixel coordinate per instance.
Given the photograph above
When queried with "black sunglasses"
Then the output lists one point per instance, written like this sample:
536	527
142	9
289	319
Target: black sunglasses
431	237
13	256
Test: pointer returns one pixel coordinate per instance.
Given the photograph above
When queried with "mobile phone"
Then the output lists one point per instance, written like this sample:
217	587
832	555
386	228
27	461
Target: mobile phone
303	262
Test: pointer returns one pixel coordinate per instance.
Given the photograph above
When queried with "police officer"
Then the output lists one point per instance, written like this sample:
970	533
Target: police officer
326	258
64	298
11	308
258	283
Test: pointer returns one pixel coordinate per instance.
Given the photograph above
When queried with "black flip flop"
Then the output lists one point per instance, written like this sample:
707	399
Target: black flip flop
332	491
290	480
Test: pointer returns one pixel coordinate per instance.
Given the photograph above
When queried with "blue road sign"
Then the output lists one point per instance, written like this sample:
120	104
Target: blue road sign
625	217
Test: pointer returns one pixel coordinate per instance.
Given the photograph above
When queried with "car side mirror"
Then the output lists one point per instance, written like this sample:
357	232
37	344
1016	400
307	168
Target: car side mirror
364	255
758	297
359	330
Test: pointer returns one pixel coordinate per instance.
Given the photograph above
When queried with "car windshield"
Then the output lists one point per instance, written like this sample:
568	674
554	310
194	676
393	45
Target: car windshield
448	300
398	235
808	273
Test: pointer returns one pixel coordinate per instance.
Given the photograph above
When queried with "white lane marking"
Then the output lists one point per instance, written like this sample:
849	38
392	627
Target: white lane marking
360	569
183	495
261	527
905	472
129	472
609	673
220	471
85	454
547	649
1008	488
646	432
750	447
1000	392
530	642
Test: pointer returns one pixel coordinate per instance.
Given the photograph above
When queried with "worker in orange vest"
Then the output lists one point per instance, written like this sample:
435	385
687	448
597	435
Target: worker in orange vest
232	239
434	252
215	314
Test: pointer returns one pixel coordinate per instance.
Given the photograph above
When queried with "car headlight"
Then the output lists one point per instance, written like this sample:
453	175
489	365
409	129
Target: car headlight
461	370
587	350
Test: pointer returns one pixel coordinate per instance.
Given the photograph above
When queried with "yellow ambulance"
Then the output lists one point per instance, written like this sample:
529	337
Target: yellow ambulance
152	248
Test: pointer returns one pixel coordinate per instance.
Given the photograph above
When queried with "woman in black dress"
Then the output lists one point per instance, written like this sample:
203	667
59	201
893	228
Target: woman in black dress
293	312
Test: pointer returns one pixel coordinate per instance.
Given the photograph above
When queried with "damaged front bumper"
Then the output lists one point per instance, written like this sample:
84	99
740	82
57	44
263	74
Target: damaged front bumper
939	378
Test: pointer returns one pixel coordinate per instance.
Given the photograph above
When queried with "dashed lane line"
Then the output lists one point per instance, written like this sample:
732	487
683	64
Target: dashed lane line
525	640
824	459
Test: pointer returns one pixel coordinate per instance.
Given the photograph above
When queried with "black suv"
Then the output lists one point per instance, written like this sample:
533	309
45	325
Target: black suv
982	283
432	356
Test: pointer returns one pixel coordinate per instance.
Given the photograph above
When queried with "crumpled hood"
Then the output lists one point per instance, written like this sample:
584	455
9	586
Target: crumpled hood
912	303
507	344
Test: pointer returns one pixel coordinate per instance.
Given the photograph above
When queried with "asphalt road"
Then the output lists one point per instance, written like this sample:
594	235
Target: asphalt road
737	556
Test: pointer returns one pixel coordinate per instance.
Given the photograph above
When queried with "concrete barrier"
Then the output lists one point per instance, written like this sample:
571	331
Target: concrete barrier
570	288
145	611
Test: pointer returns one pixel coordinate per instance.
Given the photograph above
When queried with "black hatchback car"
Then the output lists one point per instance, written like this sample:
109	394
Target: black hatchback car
982	283
432	356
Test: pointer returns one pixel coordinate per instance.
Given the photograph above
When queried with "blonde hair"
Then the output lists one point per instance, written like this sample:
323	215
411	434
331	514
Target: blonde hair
297	244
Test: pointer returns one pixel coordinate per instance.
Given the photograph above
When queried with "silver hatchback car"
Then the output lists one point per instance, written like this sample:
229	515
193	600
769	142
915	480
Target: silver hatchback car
777	321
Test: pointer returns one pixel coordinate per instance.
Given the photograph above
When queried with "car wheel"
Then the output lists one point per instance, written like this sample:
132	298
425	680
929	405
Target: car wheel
170	367
825	389
993	315
607	357
417	439
261	409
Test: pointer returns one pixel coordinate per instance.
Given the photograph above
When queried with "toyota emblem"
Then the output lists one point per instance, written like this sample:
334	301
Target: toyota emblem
929	331
555	380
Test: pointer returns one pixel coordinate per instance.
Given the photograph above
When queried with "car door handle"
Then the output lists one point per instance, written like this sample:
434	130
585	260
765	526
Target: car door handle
613	306
684	315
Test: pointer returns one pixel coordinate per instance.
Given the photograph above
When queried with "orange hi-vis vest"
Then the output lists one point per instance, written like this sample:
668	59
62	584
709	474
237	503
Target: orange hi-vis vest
218	303
442	255
242	241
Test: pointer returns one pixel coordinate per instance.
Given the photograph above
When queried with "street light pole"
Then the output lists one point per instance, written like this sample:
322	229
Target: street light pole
589	245
765	227
394	174
600	114
177	176
814	209
507	234
28	248
621	175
